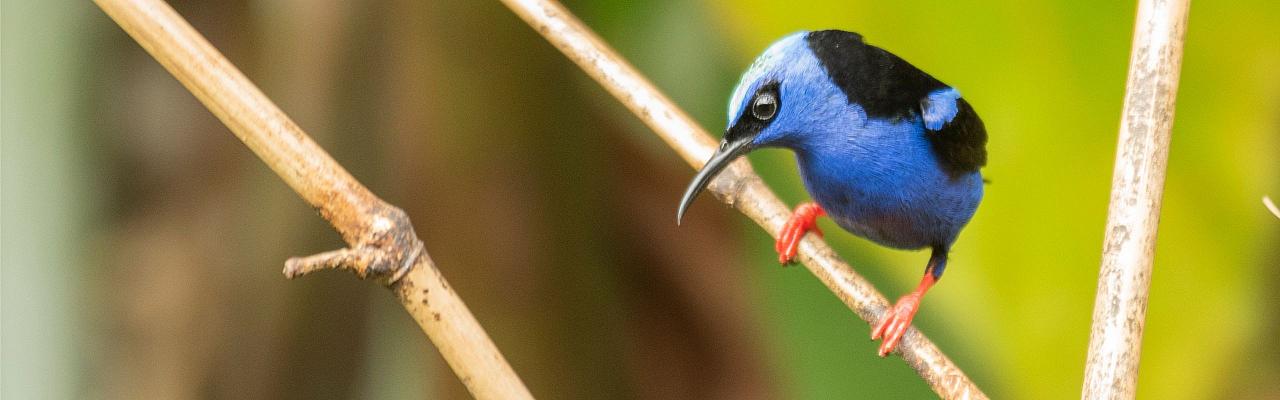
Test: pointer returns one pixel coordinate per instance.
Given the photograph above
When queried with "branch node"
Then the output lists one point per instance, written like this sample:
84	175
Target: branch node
358	260
407	263
381	240
390	251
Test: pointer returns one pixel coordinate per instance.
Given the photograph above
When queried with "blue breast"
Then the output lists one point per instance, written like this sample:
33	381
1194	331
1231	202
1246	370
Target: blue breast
882	180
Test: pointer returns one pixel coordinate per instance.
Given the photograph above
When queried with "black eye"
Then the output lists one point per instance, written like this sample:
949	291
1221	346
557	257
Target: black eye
765	106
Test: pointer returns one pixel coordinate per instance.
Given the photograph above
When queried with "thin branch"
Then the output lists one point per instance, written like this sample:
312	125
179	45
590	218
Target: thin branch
1119	312
738	185
382	242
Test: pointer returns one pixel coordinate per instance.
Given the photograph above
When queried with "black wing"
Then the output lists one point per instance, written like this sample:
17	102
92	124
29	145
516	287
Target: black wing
886	86
961	144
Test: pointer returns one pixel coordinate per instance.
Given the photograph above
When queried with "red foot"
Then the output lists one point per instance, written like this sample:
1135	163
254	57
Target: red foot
898	318
803	220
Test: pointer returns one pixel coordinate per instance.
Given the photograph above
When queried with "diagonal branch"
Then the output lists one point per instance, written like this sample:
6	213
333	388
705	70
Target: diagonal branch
382	242
737	186
1124	278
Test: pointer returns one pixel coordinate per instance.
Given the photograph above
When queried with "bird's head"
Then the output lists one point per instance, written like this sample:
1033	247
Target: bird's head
783	97
818	91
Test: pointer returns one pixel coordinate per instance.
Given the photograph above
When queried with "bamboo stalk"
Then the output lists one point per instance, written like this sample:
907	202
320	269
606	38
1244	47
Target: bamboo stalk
737	186
382	242
1119	312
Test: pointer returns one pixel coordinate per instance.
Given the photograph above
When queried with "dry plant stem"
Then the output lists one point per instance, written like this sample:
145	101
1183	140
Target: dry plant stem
738	185
1271	206
381	239
1119	312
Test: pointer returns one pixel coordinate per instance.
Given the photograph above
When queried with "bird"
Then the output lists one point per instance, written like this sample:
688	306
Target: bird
885	150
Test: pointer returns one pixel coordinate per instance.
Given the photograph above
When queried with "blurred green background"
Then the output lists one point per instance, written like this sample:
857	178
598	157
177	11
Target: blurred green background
142	243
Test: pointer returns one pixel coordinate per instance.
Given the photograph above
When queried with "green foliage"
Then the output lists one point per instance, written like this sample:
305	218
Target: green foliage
1048	78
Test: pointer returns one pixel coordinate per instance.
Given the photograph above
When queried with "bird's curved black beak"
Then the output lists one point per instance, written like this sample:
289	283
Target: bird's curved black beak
729	151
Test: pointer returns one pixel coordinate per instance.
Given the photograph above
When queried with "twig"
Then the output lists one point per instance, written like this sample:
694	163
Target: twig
1119	312
381	239
738	185
1271	206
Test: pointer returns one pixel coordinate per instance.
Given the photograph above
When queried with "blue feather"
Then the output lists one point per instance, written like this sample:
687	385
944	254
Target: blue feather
877	178
887	151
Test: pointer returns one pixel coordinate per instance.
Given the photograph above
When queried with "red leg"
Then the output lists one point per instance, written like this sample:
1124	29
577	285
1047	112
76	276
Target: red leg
803	220
898	318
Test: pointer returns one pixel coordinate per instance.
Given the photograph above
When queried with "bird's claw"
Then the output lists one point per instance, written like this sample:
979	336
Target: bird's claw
803	220
895	322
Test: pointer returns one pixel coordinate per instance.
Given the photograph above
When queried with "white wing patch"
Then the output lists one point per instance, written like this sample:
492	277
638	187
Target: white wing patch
939	108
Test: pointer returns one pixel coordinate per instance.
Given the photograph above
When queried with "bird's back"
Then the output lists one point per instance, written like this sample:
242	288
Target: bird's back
900	165
887	87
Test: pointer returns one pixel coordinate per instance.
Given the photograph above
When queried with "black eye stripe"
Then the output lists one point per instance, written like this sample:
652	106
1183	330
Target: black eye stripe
749	121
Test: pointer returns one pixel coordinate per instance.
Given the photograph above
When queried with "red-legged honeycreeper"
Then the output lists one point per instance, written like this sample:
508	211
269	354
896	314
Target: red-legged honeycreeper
887	151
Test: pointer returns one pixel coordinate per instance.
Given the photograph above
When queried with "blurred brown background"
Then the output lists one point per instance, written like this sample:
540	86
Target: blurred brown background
143	243
455	112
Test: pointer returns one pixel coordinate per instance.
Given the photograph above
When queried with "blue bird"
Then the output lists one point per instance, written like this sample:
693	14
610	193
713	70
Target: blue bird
887	151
